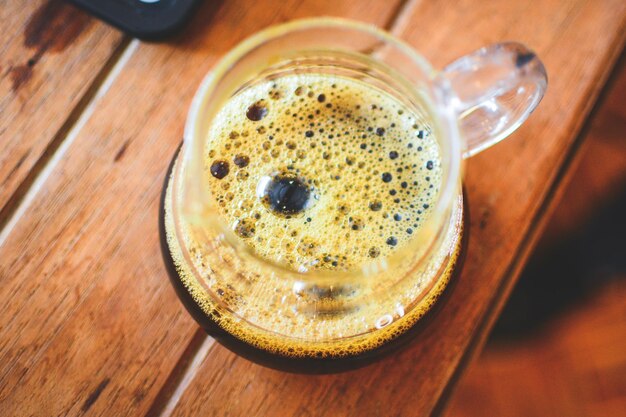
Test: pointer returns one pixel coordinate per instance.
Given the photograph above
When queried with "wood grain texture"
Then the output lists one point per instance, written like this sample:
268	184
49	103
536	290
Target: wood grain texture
50	55
575	367
91	324
600	168
574	364
507	187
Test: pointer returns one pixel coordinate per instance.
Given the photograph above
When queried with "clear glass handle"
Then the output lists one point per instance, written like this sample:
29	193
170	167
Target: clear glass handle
494	89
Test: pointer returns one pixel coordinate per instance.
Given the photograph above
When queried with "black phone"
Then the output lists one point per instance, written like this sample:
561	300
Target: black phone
144	19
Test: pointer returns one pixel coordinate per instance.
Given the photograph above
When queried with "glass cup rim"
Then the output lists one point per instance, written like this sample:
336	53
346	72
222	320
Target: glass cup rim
443	112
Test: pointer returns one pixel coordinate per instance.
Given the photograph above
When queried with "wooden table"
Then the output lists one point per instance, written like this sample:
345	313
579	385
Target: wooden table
88	122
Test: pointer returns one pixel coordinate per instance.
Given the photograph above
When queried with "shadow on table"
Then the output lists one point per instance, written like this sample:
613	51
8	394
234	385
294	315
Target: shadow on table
568	273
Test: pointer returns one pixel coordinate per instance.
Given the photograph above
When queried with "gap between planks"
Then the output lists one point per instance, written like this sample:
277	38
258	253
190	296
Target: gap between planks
200	345
604	84
400	17
182	374
23	197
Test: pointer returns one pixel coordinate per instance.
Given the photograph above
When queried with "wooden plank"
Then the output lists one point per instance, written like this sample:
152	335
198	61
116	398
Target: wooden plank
600	181
571	364
52	56
93	325
507	187
574	367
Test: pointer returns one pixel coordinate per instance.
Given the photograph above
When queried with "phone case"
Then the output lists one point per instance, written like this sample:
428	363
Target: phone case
145	19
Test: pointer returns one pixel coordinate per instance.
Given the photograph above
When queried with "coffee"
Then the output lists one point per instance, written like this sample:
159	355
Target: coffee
312	173
321	172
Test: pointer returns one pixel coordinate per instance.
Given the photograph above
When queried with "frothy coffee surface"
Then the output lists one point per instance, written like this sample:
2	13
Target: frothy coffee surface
315	171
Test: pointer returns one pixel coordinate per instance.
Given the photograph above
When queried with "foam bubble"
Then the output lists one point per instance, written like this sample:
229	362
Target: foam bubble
341	138
334	138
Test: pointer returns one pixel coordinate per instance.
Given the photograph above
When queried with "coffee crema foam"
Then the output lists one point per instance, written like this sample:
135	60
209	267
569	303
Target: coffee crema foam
326	172
318	172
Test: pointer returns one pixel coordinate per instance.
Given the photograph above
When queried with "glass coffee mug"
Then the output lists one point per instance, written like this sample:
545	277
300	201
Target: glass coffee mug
315	210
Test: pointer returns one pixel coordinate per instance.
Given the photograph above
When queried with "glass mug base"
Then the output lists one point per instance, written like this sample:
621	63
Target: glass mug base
290	354
308	257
